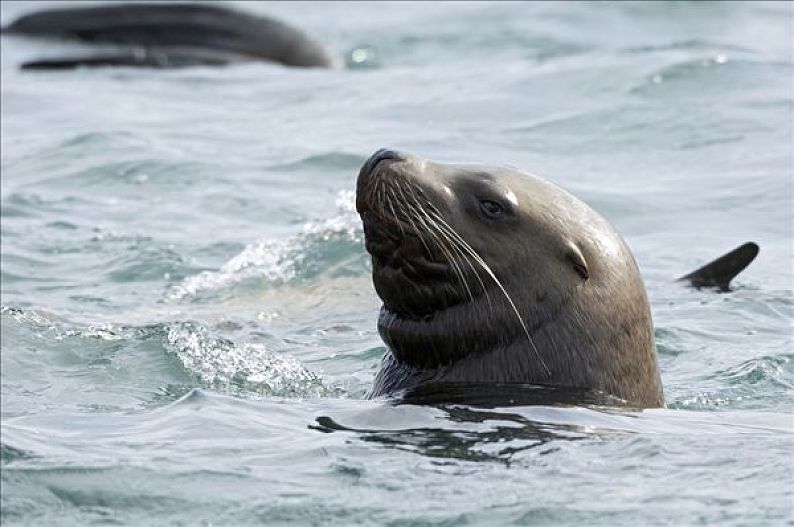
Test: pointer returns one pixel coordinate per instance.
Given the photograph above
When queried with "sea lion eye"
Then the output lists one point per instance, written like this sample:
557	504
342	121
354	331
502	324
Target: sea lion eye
491	208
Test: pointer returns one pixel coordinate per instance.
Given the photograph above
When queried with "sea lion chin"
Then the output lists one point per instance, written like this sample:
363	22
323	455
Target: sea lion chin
490	276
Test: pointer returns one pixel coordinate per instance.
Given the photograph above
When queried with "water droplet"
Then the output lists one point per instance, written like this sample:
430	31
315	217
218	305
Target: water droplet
267	317
362	57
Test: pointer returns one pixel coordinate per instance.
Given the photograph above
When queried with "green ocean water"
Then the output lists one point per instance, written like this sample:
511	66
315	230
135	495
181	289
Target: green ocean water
188	322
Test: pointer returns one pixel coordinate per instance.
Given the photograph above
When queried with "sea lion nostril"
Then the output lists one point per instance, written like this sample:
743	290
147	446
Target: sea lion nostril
368	168
384	154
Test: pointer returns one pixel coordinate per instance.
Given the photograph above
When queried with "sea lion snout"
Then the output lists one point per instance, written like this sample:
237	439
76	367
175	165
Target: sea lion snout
367	175
368	168
384	154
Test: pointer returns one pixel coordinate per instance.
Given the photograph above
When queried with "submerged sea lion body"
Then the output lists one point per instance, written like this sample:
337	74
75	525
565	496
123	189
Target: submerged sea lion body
169	35
490	276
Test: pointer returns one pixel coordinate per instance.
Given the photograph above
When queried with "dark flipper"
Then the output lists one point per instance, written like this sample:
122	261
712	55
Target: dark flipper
721	271
189	28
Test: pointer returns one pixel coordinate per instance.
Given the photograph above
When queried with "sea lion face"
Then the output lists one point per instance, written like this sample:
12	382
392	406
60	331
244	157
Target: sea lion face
451	244
470	259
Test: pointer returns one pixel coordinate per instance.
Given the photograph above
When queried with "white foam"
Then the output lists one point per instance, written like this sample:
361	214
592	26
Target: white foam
275	261
249	370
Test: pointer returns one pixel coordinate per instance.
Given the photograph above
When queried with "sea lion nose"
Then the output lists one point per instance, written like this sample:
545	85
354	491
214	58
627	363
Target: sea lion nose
363	185
383	154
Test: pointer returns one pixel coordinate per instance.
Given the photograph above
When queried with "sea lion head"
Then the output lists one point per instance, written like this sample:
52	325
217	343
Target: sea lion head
493	275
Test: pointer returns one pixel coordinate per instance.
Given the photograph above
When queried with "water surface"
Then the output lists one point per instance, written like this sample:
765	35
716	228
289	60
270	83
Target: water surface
188	322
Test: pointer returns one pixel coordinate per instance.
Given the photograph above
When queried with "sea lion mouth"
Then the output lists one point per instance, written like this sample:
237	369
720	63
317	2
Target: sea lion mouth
411	275
396	245
412	268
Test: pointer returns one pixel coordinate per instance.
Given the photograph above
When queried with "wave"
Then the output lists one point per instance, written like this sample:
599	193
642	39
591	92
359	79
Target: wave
206	360
328	246
248	370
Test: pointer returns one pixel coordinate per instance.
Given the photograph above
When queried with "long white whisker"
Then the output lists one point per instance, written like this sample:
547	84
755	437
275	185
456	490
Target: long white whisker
411	221
498	283
393	213
421	215
458	242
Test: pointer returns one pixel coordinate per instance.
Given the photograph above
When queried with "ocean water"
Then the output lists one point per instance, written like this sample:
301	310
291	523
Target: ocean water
188	321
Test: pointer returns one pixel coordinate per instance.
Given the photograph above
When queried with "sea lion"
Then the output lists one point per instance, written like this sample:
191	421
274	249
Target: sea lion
167	35
492	276
496	283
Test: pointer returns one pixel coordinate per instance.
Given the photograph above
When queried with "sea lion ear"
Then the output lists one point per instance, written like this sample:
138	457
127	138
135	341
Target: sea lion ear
576	259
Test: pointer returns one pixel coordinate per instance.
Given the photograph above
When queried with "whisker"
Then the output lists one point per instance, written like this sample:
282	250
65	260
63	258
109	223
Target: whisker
439	242
447	230
422	216
386	194
489	271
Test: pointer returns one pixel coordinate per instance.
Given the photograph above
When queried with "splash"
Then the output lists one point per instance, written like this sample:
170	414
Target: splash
247	371
276	261
50	327
216	363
